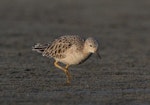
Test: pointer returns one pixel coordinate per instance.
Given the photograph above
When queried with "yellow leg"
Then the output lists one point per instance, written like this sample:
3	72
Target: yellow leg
69	76
65	71
67	67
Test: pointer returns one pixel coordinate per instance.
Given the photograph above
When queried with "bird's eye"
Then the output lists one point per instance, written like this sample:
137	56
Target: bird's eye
90	45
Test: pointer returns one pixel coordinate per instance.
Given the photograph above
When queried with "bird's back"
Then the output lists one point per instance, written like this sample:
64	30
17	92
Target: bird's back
60	45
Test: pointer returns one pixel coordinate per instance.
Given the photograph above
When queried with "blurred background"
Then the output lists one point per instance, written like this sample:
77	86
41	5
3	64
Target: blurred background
122	27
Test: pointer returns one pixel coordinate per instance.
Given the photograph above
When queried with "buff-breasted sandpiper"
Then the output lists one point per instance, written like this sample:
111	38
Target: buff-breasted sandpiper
69	50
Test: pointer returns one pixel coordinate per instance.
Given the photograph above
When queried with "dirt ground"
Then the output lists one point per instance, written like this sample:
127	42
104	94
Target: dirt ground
121	77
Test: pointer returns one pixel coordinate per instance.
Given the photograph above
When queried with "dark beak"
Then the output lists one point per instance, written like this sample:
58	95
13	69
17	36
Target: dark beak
99	56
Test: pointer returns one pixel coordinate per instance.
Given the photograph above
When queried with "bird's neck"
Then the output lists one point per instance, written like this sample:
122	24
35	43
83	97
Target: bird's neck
86	51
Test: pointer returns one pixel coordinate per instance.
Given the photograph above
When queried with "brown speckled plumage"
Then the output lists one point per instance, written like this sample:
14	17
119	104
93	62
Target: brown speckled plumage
59	46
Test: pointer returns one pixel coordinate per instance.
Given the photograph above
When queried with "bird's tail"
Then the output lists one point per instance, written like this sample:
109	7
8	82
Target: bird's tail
39	47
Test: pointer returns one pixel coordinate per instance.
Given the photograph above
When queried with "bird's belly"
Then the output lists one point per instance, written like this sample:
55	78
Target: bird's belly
74	58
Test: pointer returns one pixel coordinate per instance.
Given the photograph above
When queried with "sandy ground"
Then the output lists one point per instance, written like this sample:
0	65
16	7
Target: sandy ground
122	77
